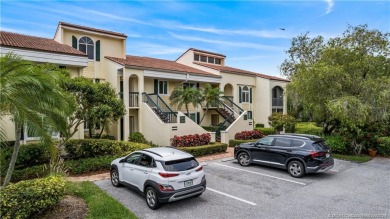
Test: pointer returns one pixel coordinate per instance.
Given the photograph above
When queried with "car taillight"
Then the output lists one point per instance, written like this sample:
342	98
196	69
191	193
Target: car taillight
167	175
166	188
317	154
199	169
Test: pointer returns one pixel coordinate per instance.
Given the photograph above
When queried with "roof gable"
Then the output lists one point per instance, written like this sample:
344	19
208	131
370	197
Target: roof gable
92	29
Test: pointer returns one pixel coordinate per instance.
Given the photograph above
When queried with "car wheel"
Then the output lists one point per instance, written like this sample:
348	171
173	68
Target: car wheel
151	198
115	177
296	169
244	159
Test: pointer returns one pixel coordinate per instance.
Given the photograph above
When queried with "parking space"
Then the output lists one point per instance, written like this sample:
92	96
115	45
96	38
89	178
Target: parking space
262	192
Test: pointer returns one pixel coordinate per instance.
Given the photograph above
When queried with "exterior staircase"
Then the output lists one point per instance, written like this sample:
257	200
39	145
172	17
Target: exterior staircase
160	108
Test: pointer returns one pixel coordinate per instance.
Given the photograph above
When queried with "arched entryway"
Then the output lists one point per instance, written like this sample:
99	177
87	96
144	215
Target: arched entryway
228	93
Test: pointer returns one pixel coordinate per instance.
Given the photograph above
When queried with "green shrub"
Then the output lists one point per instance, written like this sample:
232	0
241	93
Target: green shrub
337	144
89	164
210	128
384	146
278	121
233	143
27	198
26	173
86	148
29	155
137	137
308	128
205	150
259	125
266	131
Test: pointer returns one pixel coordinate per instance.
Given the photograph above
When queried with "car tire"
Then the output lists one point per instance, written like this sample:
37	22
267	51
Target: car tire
151	198
115	177
296	169
244	159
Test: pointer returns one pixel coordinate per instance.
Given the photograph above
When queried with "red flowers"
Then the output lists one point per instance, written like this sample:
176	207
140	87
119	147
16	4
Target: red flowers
248	135
191	140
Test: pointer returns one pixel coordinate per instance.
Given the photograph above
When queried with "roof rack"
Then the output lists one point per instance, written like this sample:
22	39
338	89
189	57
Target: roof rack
302	135
152	152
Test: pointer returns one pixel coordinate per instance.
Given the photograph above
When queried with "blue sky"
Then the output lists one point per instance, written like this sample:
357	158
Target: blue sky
247	32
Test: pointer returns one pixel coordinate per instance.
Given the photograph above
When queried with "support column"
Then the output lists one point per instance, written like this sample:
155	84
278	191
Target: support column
126	97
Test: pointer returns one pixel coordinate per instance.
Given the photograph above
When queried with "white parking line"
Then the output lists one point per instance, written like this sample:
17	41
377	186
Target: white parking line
287	180
231	196
334	170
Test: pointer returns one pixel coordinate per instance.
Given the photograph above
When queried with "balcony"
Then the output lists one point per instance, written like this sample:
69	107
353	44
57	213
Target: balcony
277	101
133	98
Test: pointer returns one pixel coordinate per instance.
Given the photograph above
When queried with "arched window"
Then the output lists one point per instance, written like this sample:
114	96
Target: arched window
86	46
277	99
245	94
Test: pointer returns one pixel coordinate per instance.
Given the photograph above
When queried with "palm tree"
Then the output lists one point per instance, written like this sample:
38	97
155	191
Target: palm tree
185	96
210	95
31	95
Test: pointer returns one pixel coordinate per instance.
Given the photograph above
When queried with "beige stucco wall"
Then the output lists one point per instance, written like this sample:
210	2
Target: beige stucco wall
188	128
9	127
188	59
153	128
109	46
238	126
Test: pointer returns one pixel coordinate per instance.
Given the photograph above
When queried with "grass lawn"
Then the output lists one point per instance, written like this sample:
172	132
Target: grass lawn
100	204
354	158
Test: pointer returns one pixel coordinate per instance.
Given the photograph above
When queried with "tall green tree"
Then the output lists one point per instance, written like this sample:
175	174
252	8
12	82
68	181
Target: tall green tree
341	82
210	95
185	96
32	96
97	103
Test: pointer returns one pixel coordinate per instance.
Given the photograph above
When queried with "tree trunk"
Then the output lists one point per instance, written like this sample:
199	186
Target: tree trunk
11	167
204	114
188	113
101	131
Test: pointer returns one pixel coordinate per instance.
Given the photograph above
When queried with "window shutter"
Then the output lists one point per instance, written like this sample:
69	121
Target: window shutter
239	95
98	50
74	42
198	117
250	95
155	86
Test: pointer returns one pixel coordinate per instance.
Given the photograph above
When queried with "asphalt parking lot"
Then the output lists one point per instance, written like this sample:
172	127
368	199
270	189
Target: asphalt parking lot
348	190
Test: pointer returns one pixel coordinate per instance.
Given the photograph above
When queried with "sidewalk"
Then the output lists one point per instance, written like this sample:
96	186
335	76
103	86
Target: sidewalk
229	153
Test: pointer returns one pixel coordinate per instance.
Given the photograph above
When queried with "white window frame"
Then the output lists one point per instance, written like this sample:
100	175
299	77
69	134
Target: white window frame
245	94
86	46
163	87
54	135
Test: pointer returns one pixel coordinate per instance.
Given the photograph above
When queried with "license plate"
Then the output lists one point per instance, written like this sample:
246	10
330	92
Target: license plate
327	155
187	183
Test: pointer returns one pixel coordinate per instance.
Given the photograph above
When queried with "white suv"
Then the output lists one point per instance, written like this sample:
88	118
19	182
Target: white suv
162	174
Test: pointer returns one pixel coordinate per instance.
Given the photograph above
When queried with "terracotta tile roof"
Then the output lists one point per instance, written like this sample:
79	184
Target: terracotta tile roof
159	64
92	29
239	71
204	51
36	43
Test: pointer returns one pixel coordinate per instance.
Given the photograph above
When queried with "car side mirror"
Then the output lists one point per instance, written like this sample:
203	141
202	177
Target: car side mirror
122	160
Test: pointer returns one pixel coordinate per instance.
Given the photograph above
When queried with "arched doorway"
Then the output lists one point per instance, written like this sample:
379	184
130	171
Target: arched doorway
228	93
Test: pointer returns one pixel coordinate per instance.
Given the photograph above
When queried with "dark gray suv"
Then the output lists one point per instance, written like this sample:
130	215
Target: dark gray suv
299	154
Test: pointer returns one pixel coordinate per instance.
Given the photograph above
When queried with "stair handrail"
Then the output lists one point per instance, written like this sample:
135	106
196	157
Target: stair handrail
172	116
235	106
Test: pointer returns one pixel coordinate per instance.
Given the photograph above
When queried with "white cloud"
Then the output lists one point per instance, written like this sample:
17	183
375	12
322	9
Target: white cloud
226	43
330	6
256	33
154	49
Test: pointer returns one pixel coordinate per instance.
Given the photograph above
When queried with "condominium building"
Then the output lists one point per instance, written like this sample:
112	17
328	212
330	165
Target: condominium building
145	84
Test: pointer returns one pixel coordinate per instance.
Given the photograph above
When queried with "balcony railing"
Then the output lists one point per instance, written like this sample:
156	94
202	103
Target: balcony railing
229	101
159	106
133	99
277	101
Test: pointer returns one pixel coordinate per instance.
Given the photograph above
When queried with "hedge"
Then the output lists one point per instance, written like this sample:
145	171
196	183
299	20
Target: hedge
308	128
337	144
28	198
191	140
89	164
87	148
384	146
266	131
248	135
29	155
205	150
233	143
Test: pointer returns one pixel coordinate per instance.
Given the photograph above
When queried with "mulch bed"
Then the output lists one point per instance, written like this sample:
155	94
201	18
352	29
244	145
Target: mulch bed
69	207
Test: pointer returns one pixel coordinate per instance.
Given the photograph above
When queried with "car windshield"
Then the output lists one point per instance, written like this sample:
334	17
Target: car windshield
180	165
320	145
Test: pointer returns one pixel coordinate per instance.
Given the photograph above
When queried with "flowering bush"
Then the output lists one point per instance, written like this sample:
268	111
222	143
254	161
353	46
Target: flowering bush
191	140
248	135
